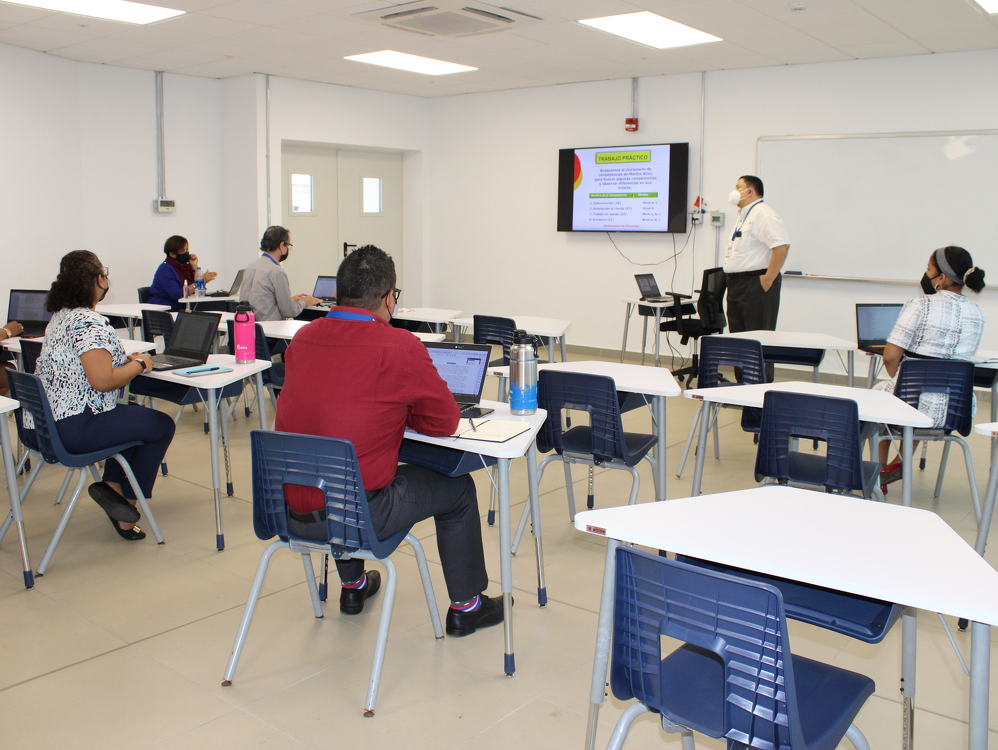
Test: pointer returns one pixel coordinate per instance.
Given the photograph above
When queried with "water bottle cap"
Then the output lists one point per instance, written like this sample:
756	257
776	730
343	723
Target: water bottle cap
521	337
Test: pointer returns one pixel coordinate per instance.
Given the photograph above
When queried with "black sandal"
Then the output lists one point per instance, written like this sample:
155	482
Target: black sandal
112	503
132	535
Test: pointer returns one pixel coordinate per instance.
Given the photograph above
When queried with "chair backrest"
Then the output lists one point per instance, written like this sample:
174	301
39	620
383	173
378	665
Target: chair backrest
595	394
741	622
834	421
43	437
327	464
953	377
493	330
725	351
31	349
262	347
144	294
156	323
710	303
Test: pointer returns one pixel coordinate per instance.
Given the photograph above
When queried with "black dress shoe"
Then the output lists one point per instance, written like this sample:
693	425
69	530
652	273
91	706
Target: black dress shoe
133	534
460	624
352	600
112	503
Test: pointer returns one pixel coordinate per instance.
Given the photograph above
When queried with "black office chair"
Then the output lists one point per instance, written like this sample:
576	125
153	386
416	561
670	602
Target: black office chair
710	312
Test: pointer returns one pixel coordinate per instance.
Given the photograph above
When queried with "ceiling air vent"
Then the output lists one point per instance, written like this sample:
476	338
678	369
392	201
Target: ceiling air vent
449	18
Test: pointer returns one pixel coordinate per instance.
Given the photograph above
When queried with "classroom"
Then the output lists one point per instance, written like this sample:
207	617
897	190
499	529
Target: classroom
125	644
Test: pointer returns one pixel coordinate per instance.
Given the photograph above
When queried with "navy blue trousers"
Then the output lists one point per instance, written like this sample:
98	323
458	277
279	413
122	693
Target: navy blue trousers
89	432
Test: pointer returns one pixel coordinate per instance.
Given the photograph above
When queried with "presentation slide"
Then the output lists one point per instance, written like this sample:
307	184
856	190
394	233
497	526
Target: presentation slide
624	189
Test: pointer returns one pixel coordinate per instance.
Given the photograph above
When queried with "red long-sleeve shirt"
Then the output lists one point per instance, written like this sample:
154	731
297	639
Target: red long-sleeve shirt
364	381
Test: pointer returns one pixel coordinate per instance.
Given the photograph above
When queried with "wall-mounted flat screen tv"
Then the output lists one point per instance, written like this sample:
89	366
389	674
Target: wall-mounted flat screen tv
623	188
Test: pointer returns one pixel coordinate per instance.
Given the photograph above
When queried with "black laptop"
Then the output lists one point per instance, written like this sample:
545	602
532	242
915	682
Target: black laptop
27	307
190	343
874	322
463	367
232	291
649	288
325	289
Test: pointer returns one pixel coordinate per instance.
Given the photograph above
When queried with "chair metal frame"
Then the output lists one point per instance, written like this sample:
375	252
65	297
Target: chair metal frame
330	465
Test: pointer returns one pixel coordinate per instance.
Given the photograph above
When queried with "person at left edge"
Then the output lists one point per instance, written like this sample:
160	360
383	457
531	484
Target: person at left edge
175	276
82	367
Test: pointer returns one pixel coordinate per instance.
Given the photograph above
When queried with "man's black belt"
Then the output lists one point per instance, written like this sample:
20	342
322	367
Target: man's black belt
744	274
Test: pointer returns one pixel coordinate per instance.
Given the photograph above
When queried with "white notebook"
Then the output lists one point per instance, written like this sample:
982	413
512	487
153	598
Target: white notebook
489	430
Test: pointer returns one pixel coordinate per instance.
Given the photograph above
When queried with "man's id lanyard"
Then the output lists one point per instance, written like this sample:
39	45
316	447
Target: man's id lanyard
276	263
738	226
343	315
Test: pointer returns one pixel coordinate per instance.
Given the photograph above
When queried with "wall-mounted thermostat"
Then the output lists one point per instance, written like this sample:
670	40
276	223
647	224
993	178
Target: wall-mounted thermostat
165	205
717	218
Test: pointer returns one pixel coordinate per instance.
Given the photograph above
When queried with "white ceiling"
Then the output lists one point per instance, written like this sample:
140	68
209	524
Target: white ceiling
308	39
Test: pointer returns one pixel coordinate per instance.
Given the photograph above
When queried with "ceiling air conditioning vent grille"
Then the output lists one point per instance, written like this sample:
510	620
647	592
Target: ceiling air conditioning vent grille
449	18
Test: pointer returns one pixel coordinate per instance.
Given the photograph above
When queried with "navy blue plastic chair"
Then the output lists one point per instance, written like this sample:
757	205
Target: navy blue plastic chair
954	379
144	294
717	352
31	350
489	329
602	443
734	675
447	461
273	378
43	439
329	465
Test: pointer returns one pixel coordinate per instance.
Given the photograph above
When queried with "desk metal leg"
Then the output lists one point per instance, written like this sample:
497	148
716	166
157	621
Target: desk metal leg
261	402
909	631
627	322
506	566
15	499
551	340
216	480
980	673
989	503
705	419
564	349
535	517
658	414
994	401
658	333
851	358
871	374
604	630
458	332
907	443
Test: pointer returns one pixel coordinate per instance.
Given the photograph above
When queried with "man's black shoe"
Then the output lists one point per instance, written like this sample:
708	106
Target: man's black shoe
460	624
352	600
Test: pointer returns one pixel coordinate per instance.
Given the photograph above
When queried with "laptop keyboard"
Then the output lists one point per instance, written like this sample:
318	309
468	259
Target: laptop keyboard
167	360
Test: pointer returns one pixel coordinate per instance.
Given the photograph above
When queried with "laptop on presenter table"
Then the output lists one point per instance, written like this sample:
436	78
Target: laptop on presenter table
232	291
649	288
27	307
325	289
463	367
874	322
190	343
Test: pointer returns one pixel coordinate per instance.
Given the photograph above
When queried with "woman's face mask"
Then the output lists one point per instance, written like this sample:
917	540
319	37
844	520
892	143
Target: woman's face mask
926	283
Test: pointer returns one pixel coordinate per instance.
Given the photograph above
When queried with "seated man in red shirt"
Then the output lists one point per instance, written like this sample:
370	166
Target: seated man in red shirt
351	375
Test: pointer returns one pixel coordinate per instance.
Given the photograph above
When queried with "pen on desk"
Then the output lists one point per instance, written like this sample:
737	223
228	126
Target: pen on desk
206	369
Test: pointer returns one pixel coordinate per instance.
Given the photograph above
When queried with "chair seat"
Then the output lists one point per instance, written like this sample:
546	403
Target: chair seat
809	468
828	698
692	327
579	440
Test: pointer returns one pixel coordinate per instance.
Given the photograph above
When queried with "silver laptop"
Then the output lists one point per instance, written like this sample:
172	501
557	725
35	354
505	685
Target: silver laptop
232	291
325	289
649	288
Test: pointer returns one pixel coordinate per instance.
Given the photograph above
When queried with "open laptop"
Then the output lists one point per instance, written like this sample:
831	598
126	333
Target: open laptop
649	288
463	367
232	291
325	289
190	343
874	322
27	307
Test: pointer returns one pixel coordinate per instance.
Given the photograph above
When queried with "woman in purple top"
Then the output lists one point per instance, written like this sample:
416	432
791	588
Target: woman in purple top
175	276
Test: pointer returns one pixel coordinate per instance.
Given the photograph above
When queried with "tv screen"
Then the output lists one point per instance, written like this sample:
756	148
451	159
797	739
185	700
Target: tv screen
623	188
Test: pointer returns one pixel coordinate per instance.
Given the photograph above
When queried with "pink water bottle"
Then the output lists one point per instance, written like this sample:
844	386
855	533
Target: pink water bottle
244	333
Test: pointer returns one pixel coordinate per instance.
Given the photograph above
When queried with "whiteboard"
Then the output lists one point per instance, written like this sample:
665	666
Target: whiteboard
876	206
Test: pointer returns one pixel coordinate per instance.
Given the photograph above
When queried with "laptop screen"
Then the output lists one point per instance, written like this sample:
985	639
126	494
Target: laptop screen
647	284
234	289
27	304
325	287
193	334
874	323
463	368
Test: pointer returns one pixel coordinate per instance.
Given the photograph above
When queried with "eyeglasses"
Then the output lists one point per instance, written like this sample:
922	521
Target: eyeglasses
288	245
397	292
105	272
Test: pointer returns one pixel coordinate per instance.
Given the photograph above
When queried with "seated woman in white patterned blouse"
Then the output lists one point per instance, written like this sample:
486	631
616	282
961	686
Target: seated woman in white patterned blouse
82	368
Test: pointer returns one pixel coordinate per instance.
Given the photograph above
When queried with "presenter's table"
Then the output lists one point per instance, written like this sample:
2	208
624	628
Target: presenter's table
879	407
548	328
800	535
521	445
659	308
213	384
803	341
131	311
659	384
8	405
434	316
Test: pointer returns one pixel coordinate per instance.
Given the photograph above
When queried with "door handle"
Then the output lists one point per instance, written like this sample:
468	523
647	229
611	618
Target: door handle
346	248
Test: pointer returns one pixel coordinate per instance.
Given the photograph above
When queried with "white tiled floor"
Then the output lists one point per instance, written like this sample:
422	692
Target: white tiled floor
123	644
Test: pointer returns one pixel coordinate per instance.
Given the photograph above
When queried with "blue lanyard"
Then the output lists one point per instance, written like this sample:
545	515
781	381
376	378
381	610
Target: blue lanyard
343	315
738	226
268	255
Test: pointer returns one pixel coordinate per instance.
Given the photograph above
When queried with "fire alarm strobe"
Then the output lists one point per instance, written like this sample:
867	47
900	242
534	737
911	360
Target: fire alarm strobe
631	124
165	205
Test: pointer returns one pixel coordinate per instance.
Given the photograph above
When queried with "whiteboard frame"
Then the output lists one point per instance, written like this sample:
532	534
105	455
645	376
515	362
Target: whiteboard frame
843	136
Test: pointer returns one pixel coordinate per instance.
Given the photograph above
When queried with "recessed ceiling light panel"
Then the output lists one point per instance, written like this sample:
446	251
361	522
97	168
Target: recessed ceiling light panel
112	10
650	29
991	6
413	63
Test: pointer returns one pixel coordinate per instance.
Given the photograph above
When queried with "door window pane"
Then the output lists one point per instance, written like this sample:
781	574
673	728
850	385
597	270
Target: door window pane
372	195
301	193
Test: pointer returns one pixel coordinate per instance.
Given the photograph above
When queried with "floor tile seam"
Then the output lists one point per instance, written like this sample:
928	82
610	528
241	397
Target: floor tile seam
208	487
194	728
503	718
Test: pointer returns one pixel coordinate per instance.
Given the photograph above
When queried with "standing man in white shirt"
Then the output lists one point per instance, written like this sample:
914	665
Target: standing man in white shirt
756	253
